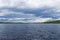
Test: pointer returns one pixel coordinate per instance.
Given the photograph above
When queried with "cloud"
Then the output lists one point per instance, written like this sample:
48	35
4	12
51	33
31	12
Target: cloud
26	20
29	10
8	13
12	16
38	19
29	3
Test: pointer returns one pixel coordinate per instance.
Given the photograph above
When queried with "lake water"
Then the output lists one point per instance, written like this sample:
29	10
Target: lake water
29	31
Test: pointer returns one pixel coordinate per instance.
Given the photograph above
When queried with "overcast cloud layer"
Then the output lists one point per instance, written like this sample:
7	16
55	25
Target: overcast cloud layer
29	10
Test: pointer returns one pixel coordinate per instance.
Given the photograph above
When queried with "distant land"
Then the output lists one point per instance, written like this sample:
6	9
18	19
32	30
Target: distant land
55	21
11	23
49	22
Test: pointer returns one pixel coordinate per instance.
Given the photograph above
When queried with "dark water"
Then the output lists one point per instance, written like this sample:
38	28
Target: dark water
29	31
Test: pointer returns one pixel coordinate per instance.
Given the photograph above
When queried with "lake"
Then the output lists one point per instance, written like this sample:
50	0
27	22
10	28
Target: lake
29	31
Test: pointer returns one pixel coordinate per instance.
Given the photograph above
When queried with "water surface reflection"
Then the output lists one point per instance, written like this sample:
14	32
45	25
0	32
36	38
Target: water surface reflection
29	31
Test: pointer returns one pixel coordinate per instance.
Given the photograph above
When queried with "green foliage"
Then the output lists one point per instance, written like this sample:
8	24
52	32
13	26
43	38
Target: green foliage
56	21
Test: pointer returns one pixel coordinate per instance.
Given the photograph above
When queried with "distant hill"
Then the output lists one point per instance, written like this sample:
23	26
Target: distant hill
52	22
55	21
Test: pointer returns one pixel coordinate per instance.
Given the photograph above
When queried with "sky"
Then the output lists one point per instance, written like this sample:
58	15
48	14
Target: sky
29	10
